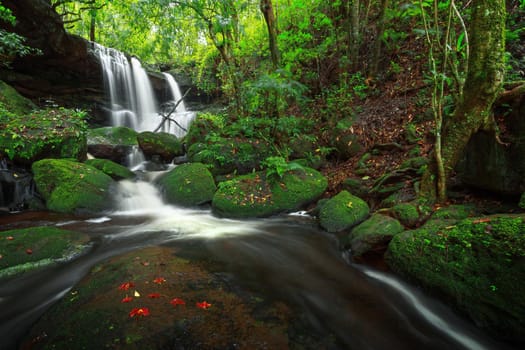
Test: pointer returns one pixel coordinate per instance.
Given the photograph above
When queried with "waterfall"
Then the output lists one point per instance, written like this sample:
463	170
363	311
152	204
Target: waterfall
133	102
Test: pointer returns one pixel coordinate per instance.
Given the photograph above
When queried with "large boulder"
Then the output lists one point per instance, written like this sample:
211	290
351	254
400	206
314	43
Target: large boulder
23	250
342	212
164	145
255	195
188	184
373	234
54	133
72	187
113	143
476	264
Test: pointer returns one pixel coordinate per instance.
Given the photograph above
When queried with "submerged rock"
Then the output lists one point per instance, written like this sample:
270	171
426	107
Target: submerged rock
343	211
72	187
153	298
477	264
25	250
254	195
188	184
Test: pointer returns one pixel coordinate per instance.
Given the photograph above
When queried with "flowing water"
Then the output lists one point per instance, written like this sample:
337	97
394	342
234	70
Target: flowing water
286	258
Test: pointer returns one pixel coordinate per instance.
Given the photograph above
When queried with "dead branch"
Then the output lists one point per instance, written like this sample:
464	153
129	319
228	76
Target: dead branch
173	108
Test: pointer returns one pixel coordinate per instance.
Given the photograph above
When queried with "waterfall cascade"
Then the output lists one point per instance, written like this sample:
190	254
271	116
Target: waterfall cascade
133	102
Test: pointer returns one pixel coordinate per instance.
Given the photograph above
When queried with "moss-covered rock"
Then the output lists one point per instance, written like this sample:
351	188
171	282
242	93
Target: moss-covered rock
477	264
203	125
112	142
54	133
230	155
406	213
166	146
357	186
71	187
254	195
188	184
27	249
13	101
345	141
455	212
373	234
108	167
342	212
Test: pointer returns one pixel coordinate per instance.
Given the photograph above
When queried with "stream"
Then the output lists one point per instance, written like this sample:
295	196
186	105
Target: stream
286	258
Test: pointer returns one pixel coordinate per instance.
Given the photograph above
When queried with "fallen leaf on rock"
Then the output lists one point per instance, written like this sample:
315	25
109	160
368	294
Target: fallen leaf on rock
126	300
139	312
29	251
203	305
159	280
10	238
126	286
177	301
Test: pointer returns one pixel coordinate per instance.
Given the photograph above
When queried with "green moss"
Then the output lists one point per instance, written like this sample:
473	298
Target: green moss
254	196
46	245
342	212
72	187
53	133
116	171
406	213
13	101
455	211
188	184
478	264
373	233
112	135
165	145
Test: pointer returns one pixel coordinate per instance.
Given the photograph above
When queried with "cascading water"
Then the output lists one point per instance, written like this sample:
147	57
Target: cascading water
132	99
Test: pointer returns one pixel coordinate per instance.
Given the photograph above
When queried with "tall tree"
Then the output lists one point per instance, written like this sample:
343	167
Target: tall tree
486	68
271	24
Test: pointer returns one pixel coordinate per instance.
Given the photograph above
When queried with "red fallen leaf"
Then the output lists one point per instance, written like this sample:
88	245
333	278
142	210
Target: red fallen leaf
126	300
126	286
159	280
29	251
177	301
203	305
139	311
154	295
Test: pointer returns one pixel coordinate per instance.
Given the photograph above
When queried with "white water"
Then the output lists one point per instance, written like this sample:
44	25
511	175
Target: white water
132	99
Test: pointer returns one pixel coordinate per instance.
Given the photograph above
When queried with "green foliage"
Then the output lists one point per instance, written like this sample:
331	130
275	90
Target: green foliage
28	135
276	167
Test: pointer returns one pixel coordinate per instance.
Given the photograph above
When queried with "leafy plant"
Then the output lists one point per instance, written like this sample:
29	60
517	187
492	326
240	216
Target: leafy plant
276	167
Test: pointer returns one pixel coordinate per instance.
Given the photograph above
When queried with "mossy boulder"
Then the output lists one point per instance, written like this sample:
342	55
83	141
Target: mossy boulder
455	212
54	133
188	184
108	167
72	187
254	195
406	213
164	145
28	249
373	234
476	264
230	155
112	142
13	101
342	212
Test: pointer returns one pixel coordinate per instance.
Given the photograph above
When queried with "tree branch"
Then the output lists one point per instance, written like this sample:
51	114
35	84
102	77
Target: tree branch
166	116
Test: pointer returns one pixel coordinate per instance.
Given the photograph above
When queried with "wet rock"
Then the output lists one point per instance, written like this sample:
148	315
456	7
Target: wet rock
476	264
116	171
16	189
254	195
188	184
164	145
343	211
373	234
113	143
72	187
24	250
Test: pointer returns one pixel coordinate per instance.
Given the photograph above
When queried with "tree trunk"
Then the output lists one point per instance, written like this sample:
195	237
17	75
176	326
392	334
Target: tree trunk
267	10
483	83
354	34
376	54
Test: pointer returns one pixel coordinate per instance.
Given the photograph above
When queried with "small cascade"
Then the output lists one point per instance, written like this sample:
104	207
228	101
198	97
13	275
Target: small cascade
135	158
133	102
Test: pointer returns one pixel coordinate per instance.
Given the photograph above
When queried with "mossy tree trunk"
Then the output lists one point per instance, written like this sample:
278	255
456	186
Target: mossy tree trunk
482	86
